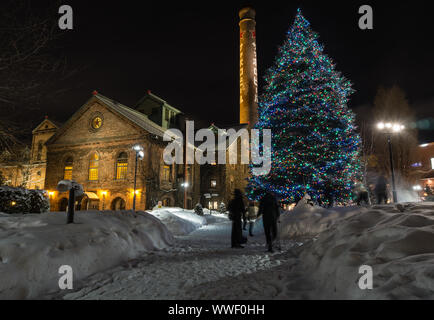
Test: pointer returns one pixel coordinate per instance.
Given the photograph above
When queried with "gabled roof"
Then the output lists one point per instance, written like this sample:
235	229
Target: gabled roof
46	121
135	116
138	118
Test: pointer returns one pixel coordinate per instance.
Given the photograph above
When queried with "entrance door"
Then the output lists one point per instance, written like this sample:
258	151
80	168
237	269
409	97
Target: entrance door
118	204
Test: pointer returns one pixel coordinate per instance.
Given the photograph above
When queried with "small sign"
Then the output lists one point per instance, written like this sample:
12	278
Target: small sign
215	194
207	195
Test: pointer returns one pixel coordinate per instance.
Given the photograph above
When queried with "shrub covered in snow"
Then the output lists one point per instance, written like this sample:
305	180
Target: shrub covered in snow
20	200
198	209
222	208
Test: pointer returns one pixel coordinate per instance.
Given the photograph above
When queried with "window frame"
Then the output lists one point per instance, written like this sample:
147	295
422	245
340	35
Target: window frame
121	169
69	163
94	168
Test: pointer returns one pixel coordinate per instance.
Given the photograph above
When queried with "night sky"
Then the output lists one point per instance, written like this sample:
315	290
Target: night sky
188	52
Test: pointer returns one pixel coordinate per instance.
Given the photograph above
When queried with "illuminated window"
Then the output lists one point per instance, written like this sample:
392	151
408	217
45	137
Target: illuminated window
213	205
93	167
432	163
67	175
166	173
122	166
213	183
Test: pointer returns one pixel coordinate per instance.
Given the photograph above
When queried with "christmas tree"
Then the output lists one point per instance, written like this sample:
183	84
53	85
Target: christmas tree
315	146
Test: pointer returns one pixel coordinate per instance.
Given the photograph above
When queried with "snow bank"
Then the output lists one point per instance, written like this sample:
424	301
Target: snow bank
399	246
33	247
179	221
309	221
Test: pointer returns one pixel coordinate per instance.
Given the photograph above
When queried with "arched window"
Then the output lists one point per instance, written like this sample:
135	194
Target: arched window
122	166
39	155
93	167
67	175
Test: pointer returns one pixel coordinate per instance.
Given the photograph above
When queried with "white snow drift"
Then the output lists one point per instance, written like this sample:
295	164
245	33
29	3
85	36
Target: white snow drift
33	247
399	246
179	221
308	221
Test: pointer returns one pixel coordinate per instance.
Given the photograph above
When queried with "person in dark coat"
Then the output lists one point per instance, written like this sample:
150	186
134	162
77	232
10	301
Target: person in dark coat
237	210
381	190
270	212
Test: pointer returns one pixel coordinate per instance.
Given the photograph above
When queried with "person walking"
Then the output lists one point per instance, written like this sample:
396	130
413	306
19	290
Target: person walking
252	214
236	210
269	210
381	190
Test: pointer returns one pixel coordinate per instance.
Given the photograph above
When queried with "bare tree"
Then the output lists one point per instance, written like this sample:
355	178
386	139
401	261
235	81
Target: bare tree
31	64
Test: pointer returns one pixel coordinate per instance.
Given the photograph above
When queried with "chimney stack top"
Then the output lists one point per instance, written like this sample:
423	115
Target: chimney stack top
247	13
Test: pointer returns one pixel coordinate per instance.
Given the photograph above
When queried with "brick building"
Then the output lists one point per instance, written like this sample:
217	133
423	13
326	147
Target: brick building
27	168
95	148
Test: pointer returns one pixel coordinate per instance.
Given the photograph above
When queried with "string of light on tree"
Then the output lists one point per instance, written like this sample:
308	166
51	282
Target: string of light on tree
314	136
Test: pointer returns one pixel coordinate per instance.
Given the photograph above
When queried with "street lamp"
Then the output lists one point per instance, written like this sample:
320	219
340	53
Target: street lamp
139	155
390	128
185	186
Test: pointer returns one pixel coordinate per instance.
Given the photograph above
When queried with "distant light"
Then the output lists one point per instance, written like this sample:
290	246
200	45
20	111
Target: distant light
397	127
417	188
104	193
388	125
138	148
185	184
137	192
381	126
13	203
424	145
141	154
51	193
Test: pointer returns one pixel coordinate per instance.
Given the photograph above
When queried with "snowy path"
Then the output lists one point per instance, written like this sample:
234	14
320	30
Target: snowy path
202	258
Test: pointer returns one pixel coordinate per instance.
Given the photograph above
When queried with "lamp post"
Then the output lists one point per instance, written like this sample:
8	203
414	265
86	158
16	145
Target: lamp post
389	129
185	186
139	155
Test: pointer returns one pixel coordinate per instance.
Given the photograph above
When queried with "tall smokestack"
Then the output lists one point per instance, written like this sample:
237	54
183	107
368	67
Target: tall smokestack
248	68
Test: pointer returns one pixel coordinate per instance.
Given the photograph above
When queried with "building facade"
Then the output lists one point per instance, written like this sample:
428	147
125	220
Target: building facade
95	148
27	168
423	166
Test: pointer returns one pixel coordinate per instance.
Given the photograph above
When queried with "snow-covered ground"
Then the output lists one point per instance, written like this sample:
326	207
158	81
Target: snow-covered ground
33	247
397	242
201	257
